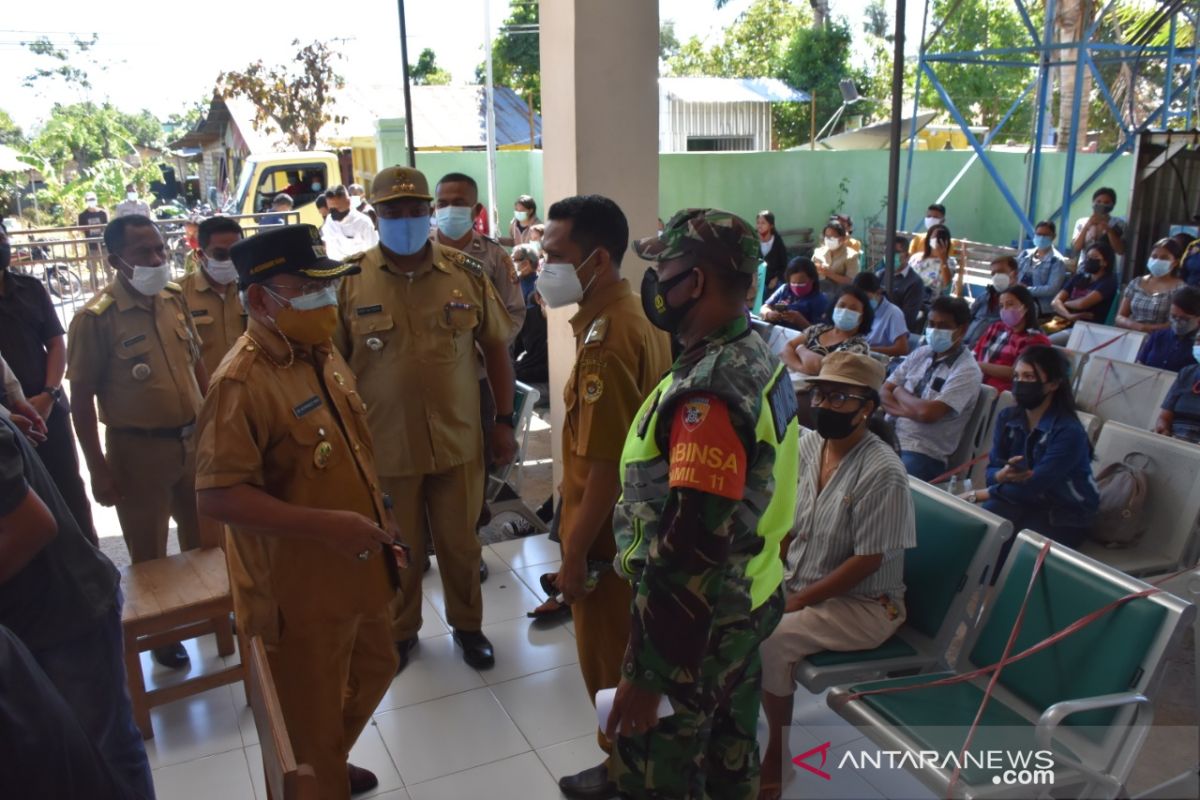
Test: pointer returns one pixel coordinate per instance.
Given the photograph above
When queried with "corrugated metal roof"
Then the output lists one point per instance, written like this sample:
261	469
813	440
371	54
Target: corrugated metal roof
443	116
730	90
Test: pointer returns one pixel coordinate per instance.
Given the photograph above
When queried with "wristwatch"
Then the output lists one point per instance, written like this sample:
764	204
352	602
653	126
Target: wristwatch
507	419
972	497
55	392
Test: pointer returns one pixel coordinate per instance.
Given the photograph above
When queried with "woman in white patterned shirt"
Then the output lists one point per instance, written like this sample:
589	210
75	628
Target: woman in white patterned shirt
845	568
1146	304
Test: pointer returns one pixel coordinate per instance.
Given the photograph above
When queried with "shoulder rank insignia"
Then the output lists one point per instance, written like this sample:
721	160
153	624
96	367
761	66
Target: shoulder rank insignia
460	259
100	304
597	332
172	286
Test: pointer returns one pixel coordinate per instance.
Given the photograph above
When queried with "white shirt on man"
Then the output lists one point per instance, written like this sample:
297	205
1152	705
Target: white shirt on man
353	234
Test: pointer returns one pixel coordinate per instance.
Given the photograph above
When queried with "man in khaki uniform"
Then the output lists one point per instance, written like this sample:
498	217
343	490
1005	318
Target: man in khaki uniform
619	358
285	458
456	200
134	349
410	325
211	291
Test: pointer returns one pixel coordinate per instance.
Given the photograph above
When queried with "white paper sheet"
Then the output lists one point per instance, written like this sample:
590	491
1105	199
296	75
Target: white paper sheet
604	704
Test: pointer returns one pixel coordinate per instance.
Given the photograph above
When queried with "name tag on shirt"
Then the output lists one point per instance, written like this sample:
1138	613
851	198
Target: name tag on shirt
201	313
309	405
133	340
365	310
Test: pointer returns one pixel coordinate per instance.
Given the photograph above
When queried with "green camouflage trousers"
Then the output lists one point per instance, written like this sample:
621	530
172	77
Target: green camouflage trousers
708	748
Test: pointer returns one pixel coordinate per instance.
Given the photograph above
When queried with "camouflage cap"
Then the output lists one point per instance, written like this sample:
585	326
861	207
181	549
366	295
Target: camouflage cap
721	237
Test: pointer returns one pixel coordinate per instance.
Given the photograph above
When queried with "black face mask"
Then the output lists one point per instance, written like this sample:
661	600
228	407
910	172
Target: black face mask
834	424
1093	266
654	301
1102	208
5	254
1028	394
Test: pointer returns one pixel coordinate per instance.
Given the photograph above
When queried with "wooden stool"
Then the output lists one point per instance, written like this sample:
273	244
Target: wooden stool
285	779
168	600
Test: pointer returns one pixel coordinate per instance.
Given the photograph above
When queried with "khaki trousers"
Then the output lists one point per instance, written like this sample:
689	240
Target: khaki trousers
450	501
157	478
839	623
330	675
601	635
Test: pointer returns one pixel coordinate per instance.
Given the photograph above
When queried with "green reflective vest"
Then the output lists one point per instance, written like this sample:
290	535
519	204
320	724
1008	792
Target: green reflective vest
757	390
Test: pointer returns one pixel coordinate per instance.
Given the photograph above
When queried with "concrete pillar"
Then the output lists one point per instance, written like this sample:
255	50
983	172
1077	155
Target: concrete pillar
599	132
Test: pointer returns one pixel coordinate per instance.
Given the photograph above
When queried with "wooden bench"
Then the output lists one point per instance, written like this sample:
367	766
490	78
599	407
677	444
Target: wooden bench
168	600
285	779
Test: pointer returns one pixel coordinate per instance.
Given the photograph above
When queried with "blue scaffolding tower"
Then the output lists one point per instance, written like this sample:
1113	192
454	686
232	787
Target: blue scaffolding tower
1175	109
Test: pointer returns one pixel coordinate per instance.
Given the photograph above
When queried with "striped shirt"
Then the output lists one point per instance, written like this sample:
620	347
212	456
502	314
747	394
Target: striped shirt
866	508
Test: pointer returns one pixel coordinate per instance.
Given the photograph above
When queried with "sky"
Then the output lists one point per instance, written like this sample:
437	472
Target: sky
148	58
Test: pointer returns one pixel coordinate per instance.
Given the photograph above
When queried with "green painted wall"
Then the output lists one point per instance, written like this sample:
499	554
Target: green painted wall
803	187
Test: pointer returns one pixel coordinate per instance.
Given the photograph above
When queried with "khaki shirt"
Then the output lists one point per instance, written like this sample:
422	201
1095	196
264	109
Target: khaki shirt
138	355
500	268
410	338
619	359
298	433
217	314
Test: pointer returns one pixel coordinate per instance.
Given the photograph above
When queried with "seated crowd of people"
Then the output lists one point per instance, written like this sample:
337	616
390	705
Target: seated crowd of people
660	546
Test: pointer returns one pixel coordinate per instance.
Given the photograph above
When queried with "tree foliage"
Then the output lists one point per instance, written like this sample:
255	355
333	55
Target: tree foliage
981	93
294	99
817	60
10	131
516	58
189	117
668	41
753	46
52	62
426	71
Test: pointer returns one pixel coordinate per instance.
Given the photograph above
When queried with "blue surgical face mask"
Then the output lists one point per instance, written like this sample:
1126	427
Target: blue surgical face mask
939	339
454	221
875	301
1196	353
1043	242
404	236
1158	266
845	319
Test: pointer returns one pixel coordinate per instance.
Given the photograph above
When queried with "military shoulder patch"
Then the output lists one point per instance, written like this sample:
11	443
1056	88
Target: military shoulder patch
100	304
593	388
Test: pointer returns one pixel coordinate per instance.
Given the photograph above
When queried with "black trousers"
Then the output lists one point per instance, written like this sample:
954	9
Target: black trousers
61	459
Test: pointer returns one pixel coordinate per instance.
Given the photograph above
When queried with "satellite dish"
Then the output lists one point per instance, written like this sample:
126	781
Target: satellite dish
849	91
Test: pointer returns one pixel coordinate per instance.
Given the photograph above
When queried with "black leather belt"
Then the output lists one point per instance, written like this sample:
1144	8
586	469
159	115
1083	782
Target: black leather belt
182	432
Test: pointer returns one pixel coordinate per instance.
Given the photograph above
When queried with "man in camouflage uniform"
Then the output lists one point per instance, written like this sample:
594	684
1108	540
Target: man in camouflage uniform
709	484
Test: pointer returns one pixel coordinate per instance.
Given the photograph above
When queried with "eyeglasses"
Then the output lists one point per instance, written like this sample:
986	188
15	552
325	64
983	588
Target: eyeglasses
308	288
834	399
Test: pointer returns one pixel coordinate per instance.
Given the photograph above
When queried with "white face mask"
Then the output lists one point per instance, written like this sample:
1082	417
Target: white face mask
832	243
222	272
931	221
558	283
149	280
522	216
1001	281
131	196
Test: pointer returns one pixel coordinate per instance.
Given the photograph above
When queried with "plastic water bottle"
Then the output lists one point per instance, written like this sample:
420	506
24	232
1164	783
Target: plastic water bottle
966	486
953	487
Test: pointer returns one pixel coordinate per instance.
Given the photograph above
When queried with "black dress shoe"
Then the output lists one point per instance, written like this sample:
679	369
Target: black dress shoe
591	784
483	570
428	563
403	648
361	780
173	656
477	650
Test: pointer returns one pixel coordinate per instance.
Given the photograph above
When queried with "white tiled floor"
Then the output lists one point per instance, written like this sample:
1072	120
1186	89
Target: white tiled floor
443	730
